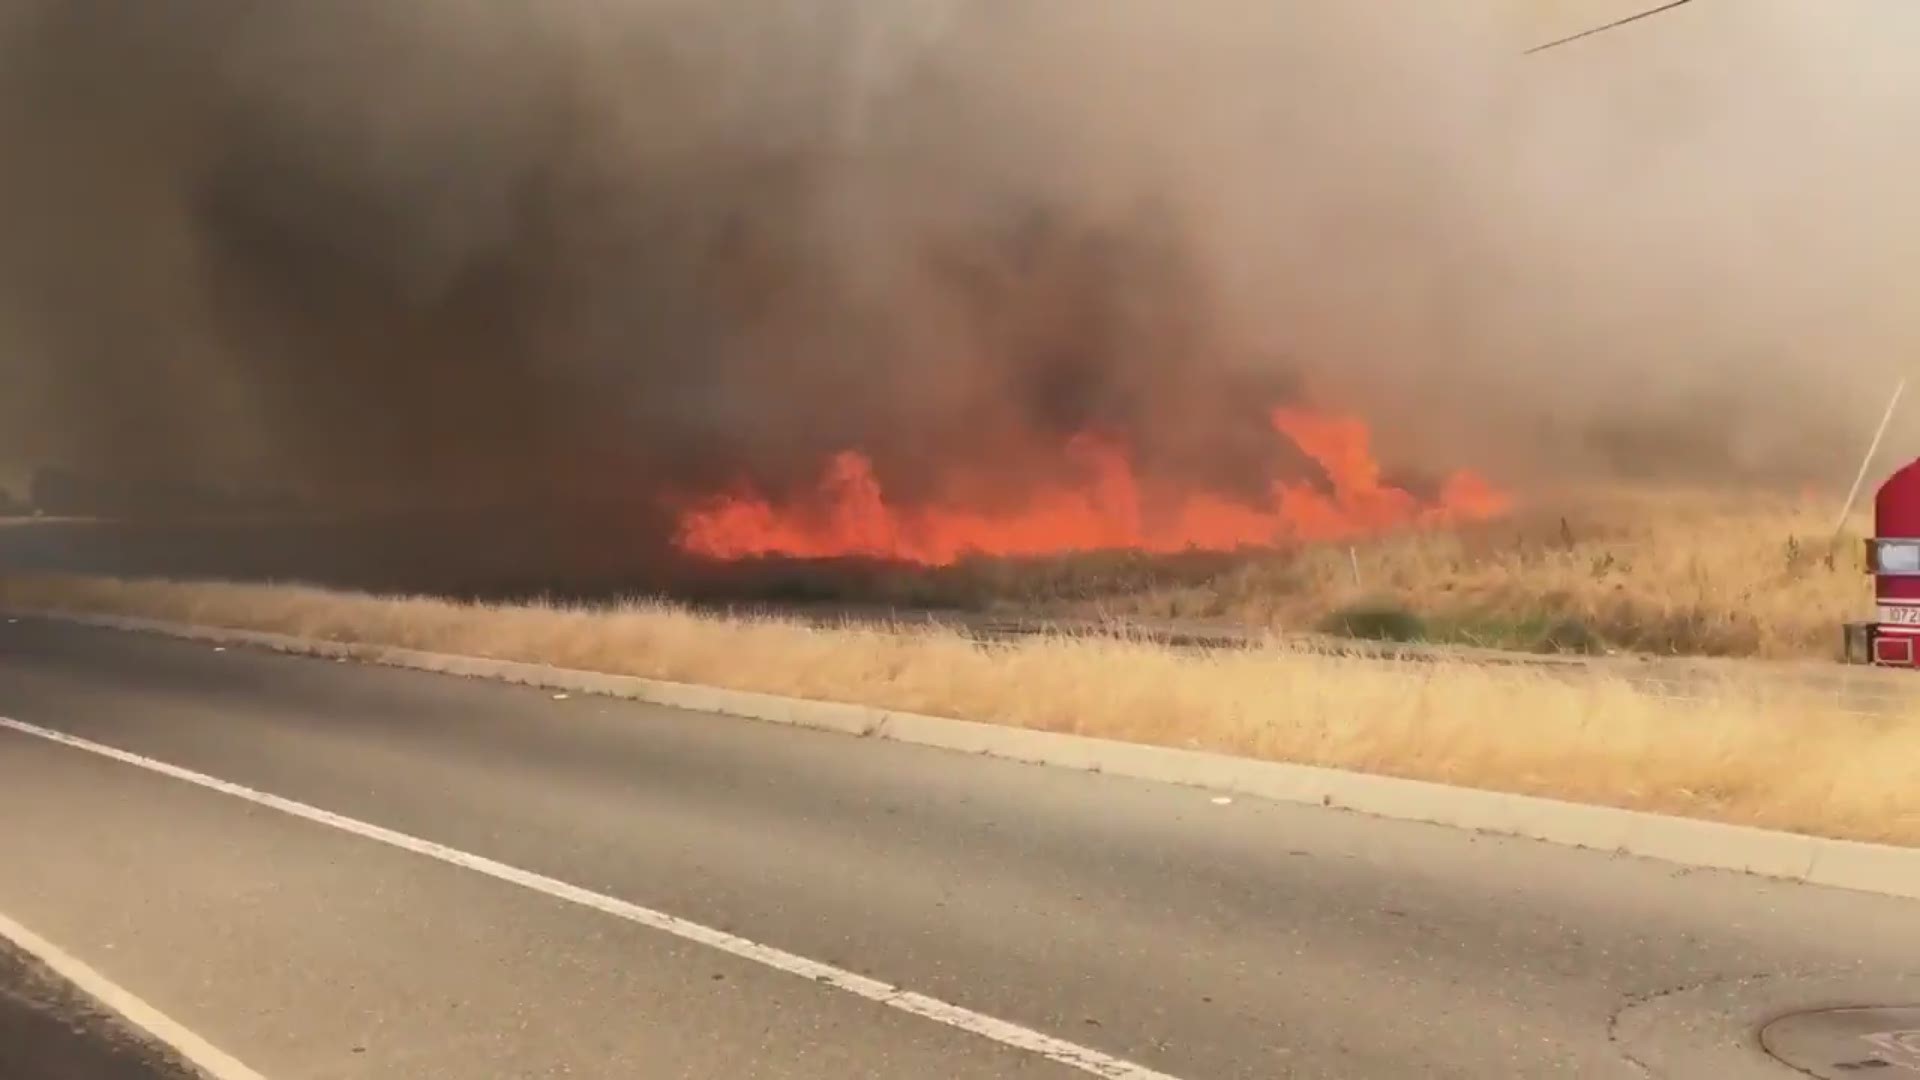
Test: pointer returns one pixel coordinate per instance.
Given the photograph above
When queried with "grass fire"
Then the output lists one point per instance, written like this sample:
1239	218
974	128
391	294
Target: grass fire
1104	503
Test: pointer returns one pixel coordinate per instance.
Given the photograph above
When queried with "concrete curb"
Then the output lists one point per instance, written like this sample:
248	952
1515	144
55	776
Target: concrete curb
1874	868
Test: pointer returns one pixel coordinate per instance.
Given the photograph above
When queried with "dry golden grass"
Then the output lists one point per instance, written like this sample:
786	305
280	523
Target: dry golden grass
1745	754
1675	572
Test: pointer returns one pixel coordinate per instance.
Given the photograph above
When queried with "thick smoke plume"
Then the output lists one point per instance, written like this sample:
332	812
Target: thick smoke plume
450	252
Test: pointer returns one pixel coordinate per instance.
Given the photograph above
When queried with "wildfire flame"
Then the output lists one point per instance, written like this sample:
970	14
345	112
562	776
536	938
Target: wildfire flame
849	514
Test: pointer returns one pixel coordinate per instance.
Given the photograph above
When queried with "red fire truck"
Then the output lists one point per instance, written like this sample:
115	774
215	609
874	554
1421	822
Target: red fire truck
1892	639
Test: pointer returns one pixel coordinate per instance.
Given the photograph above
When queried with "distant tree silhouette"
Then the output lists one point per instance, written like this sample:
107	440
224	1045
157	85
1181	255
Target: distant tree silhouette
61	492
58	492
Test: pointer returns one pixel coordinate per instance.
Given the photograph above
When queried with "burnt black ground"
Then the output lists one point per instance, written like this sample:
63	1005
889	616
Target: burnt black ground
49	1030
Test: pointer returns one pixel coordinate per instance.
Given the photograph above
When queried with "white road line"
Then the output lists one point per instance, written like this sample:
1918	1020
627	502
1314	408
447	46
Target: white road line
209	1059
1073	1055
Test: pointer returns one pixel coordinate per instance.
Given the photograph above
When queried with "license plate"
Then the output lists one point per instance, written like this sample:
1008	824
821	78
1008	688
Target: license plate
1899	615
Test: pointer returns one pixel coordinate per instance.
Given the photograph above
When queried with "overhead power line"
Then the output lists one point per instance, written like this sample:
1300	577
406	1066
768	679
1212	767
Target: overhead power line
1616	24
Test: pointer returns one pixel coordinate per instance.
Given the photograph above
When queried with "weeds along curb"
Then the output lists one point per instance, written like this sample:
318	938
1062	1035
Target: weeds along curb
1874	868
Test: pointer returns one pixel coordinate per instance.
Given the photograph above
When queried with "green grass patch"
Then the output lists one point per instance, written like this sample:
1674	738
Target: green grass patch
1535	633
1385	620
1376	621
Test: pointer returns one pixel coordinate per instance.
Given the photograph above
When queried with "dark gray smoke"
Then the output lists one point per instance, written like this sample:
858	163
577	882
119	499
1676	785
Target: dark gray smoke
450	252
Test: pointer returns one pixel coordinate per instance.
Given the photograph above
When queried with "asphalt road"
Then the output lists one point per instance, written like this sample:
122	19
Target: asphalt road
414	876
50	1030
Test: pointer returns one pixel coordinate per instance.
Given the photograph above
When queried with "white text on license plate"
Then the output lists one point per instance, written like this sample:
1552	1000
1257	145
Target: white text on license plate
1899	615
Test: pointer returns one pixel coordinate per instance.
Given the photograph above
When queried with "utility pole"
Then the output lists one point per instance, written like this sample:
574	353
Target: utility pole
1615	24
1866	462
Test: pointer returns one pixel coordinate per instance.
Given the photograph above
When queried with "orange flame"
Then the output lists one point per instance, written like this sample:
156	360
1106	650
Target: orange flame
850	515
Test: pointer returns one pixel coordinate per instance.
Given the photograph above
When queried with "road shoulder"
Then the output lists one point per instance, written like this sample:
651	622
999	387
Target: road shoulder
50	1028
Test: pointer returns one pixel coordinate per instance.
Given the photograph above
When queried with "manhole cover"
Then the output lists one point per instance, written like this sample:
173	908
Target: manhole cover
1848	1043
